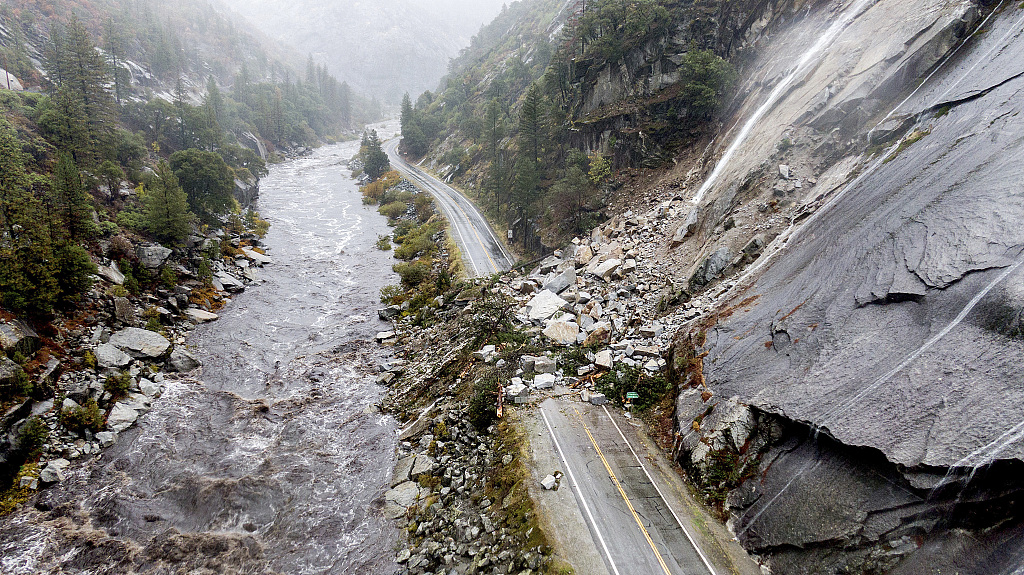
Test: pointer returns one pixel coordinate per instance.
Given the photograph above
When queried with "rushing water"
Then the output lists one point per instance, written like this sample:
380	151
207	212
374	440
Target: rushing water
272	460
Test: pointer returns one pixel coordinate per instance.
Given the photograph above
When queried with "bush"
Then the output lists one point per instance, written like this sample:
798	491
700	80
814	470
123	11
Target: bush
89	358
384	243
78	419
389	294
394	210
483	403
117	385
412	273
33	436
21	386
616	383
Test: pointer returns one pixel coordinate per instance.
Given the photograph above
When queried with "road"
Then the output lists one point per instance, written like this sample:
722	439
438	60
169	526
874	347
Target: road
635	529
482	253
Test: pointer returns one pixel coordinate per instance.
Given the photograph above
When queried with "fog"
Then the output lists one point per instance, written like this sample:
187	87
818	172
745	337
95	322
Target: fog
383	48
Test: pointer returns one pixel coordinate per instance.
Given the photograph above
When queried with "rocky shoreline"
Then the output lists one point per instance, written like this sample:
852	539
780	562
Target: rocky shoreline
105	367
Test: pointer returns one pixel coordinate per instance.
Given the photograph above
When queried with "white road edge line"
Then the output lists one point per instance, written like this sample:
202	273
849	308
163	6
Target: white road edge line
448	213
579	493
660	494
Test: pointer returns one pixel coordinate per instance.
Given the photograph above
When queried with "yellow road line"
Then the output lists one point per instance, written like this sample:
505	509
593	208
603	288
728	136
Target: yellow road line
622	492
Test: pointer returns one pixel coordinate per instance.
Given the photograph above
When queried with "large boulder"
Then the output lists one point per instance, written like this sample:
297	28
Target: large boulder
9	371
124	311
544	305
562	332
18	336
54	471
109	356
712	267
152	255
111	274
121	417
182	361
140	343
200	316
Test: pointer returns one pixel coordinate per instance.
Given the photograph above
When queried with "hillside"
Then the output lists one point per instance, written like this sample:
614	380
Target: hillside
815	201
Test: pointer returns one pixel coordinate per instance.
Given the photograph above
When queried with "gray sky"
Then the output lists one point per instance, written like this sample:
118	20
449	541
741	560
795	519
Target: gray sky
381	47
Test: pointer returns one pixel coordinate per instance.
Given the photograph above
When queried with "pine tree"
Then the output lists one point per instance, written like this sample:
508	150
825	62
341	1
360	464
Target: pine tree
345	104
74	64
214	99
27	281
375	161
166	207
70	199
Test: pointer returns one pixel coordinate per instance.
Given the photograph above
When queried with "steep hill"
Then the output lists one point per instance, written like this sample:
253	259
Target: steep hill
835	238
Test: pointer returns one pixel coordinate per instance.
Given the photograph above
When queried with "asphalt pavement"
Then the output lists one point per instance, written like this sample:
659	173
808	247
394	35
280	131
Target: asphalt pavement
634	527
482	253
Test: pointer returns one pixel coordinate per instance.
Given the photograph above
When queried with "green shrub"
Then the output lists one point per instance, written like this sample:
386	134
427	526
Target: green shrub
33	436
412	273
117	385
389	294
483	403
21	386
393	210
619	381
89	359
384	243
168	277
78	419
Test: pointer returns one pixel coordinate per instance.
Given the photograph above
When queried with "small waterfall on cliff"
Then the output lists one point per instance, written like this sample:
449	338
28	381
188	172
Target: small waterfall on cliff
802	66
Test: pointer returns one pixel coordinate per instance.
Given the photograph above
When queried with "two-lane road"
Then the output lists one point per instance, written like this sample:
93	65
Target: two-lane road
482	253
634	527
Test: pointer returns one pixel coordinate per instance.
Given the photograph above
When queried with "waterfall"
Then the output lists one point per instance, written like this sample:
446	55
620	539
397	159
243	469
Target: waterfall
804	64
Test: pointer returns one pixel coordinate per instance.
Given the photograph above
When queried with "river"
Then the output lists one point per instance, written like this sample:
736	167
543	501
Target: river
273	459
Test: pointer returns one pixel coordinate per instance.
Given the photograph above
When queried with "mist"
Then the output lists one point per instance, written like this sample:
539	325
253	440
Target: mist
383	48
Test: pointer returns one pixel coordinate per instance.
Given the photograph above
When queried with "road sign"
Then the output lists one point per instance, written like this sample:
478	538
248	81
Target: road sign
632	395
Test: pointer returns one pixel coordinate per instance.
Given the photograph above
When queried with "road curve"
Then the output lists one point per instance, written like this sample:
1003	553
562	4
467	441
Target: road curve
633	525
482	253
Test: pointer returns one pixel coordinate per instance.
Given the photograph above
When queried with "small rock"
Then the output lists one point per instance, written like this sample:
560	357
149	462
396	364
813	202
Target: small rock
603	359
549	482
544	381
108	356
106	438
121	417
182	361
598	399
54	471
199	315
544	364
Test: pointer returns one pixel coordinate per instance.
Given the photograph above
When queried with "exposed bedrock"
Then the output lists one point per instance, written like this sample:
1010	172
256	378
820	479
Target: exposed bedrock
873	359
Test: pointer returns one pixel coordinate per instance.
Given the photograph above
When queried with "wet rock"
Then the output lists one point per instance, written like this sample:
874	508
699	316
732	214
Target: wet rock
257	258
562	332
124	311
54	471
152	255
140	343
121	417
421	465
544	305
111	274
182	361
9	371
402	469
200	316
229	282
149	388
711	268
400	499
384	336
106	438
389	313
17	336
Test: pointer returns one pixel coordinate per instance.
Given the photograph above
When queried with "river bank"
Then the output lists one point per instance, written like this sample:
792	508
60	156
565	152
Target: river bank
268	459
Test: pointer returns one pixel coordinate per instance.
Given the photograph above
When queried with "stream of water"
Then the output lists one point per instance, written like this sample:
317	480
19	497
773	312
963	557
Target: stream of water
272	460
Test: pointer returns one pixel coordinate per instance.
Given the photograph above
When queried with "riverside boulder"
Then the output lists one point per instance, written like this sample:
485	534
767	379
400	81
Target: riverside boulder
140	343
